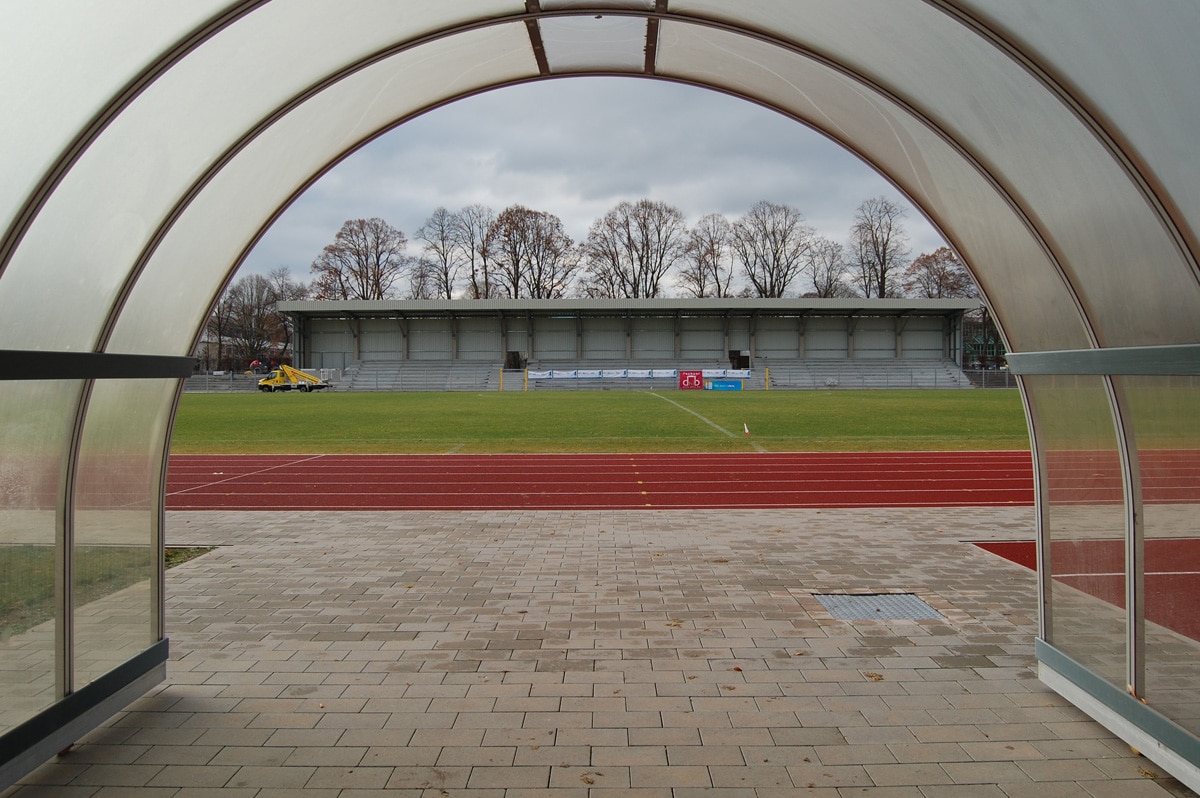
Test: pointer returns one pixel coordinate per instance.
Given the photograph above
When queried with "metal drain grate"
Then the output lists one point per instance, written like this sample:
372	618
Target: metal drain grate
877	607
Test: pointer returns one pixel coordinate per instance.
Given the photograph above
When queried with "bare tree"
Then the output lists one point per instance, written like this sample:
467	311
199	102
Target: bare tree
253	318
423	279
284	289
220	329
444	251
472	233
878	245
251	325
939	275
827	267
708	259
533	255
511	236
771	242
632	247
365	261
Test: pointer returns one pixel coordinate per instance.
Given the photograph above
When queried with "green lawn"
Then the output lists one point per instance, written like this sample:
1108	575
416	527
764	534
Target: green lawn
27	578
600	421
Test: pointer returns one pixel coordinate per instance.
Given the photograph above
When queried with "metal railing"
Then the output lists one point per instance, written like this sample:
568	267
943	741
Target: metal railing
991	378
781	378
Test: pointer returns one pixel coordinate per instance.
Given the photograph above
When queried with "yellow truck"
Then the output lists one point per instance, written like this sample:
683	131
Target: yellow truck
285	378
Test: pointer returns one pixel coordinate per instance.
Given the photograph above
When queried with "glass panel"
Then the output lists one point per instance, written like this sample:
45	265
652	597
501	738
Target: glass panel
595	42
1085	521
36	418
1164	411
116	549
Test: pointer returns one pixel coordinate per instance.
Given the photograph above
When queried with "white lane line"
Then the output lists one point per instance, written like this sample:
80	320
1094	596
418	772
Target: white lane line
707	421
1122	574
247	474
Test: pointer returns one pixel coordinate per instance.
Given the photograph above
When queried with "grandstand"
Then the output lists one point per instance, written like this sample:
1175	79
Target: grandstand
804	344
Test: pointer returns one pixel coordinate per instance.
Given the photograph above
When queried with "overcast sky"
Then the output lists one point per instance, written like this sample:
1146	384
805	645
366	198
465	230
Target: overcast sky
575	148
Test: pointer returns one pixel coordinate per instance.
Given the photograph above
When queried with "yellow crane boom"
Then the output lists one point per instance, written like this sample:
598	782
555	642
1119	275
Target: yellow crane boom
285	378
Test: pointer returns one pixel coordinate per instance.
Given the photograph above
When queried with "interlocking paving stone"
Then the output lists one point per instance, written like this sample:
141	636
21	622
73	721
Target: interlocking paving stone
667	654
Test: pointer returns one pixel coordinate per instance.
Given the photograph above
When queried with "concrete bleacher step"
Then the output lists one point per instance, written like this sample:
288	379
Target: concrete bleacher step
419	375
868	374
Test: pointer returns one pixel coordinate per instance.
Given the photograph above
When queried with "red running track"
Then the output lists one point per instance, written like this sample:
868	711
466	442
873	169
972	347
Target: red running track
1097	567
604	481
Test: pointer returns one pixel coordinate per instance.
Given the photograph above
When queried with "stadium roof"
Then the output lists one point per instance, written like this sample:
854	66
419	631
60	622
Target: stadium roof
630	307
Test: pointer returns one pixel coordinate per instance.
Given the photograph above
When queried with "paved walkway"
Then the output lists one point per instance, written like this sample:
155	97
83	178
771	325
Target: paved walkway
677	654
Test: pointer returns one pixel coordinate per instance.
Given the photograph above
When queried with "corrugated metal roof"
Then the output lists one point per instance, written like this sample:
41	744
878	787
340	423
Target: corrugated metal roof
635	307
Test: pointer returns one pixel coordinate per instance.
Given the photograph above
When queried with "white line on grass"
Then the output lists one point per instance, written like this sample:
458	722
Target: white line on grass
707	421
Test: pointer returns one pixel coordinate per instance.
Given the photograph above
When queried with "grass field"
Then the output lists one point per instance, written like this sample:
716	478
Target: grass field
599	421
27	577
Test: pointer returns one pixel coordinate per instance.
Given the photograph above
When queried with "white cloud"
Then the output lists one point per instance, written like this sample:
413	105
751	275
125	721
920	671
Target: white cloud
575	148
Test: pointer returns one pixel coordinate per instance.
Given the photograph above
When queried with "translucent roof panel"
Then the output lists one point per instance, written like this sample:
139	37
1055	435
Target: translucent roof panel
1020	178
163	314
1098	223
151	157
92	51
1136	67
608	43
958	196
559	5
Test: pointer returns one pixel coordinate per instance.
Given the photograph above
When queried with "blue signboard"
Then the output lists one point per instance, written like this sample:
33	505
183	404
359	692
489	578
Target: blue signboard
722	385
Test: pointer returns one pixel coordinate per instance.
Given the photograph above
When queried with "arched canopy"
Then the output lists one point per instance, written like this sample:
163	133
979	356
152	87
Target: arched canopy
1009	129
147	145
